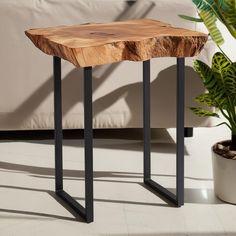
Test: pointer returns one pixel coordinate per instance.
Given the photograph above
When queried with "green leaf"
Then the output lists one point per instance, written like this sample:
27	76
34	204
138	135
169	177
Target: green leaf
190	18
229	15
208	5
203	4
213	83
223	10
203	113
220	63
206	99
204	71
209	13
225	72
228	9
230	82
210	19
224	123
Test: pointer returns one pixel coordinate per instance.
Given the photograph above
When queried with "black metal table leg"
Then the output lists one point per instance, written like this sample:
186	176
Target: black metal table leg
180	130
88	142
177	199
146	121
87	212
58	124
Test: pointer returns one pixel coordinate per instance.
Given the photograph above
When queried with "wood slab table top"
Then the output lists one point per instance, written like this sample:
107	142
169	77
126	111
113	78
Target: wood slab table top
134	40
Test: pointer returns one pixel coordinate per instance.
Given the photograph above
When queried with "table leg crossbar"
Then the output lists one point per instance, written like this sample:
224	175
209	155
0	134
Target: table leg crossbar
87	212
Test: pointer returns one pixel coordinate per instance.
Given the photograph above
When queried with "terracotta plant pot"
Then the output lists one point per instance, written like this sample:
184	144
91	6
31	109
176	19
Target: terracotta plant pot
224	174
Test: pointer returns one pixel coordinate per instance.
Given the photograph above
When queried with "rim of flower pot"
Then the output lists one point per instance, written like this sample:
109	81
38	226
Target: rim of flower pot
220	155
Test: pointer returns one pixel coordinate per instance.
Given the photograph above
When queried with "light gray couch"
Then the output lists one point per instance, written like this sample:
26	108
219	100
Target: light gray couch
26	73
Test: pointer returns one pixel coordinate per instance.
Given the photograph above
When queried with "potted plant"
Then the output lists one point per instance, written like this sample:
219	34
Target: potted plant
220	83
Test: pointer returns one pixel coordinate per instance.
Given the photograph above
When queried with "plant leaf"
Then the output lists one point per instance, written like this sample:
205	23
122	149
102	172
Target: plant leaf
209	5
203	113
225	72
206	99
220	63
227	9
224	123
213	83
203	4
210	20
230	82
190	18
223	10
209	13
205	72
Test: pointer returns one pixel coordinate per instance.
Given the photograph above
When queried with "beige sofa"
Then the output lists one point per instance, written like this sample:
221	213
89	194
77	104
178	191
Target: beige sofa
26	73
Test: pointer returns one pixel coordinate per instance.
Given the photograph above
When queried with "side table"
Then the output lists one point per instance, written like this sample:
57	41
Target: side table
90	45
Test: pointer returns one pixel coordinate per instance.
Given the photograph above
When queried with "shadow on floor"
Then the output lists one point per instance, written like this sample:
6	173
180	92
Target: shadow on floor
46	172
191	196
199	196
36	215
203	196
40	215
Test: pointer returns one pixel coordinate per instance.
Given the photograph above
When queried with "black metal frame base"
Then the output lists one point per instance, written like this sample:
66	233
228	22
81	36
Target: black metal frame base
177	199
87	212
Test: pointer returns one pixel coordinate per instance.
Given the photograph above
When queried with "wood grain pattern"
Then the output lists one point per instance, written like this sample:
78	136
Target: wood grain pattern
134	40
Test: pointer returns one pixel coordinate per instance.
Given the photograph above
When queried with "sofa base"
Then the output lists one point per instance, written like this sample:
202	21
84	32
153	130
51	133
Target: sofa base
188	132
134	133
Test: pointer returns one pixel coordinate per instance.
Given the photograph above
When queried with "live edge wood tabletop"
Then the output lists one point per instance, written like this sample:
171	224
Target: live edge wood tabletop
134	40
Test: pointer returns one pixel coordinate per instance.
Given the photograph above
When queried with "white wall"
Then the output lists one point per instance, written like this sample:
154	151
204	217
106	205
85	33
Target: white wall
229	46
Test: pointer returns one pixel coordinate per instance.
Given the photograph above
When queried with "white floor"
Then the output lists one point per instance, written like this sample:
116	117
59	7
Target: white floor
123	206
